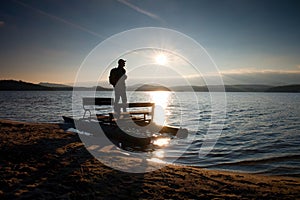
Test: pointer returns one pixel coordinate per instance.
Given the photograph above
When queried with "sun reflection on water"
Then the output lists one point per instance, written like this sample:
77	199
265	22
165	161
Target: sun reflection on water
159	154
161	100
161	141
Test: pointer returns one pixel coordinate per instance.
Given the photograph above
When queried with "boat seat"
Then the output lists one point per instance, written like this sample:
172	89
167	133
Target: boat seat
138	111
135	111
96	104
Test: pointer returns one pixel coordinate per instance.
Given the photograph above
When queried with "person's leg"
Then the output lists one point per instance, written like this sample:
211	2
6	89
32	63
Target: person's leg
124	99
117	99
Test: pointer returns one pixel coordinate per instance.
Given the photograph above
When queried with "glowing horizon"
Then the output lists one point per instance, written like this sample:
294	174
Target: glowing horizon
52	48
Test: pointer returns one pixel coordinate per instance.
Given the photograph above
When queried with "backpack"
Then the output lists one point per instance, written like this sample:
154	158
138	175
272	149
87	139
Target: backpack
113	76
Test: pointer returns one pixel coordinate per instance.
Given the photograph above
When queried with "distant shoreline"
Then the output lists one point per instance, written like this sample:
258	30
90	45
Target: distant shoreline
13	85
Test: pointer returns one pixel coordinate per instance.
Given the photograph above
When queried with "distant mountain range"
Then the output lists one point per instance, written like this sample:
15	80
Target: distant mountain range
53	85
147	87
20	85
285	88
218	88
13	85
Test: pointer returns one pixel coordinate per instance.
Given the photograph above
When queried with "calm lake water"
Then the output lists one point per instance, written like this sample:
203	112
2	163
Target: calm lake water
261	132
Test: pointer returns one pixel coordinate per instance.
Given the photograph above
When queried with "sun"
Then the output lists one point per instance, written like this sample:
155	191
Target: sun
161	59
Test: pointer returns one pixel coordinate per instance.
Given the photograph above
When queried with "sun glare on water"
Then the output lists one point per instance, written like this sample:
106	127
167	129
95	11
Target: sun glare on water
161	100
161	141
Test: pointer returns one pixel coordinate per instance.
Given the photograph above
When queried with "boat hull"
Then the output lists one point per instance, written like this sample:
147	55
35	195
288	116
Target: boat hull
135	136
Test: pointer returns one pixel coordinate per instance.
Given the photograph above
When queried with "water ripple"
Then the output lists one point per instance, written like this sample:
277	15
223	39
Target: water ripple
260	134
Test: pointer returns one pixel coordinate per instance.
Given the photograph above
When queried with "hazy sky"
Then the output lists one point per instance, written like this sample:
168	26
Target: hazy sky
250	41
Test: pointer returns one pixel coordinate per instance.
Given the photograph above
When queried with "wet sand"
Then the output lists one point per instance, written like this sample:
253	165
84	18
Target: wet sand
43	161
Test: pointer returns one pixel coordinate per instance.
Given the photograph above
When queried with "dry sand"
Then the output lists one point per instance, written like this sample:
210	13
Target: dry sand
42	161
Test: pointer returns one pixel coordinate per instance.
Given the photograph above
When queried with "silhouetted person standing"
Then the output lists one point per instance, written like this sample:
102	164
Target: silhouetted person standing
117	78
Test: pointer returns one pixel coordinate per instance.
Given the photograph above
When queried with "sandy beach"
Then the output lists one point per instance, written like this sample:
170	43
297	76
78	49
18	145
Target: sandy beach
43	161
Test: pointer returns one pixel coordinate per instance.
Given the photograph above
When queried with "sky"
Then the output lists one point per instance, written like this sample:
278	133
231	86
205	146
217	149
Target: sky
250	42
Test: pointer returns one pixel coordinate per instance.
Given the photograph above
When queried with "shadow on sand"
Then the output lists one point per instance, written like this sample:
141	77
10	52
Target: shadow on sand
44	162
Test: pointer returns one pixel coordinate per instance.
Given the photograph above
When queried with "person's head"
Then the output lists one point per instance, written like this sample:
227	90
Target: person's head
121	62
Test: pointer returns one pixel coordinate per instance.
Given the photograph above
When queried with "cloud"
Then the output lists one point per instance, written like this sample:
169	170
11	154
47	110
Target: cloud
263	76
259	71
140	10
2	24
